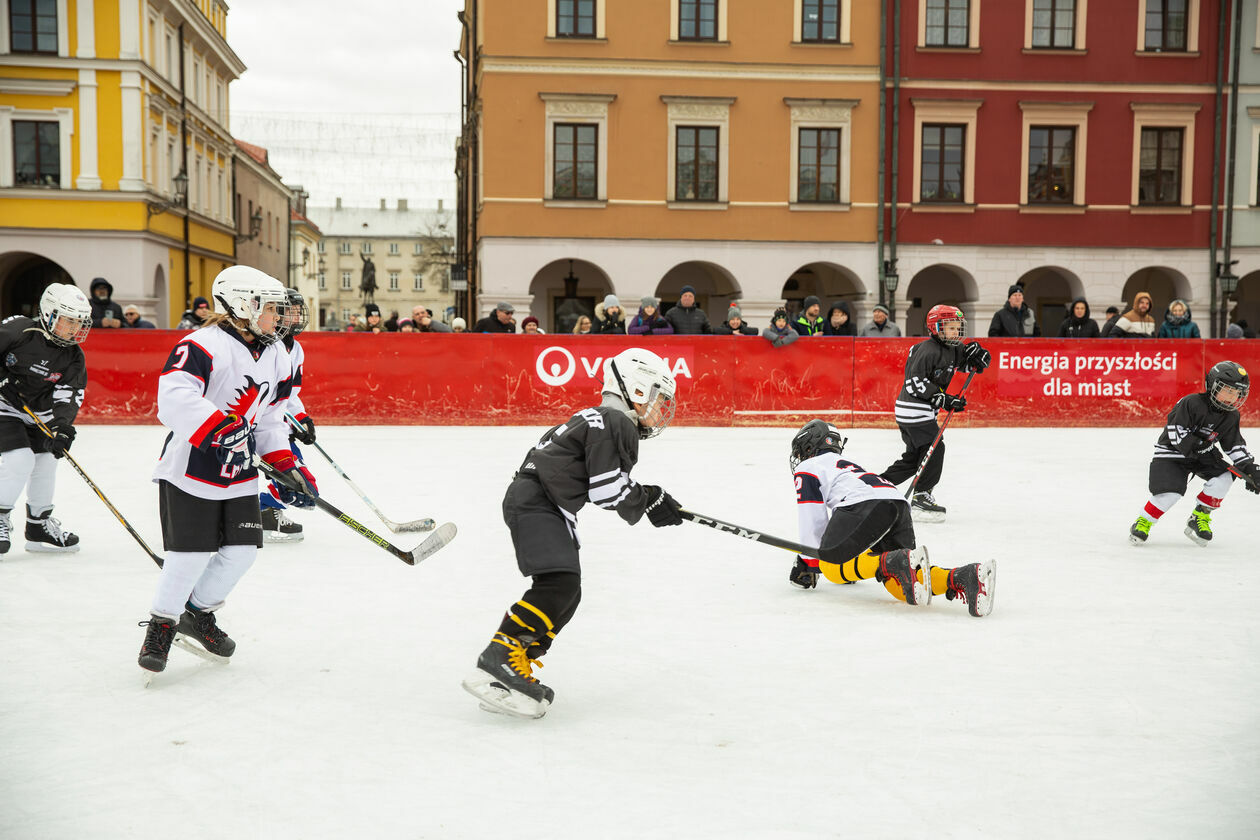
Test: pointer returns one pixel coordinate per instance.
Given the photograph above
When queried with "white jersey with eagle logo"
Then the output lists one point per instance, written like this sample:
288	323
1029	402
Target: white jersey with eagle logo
826	482
211	373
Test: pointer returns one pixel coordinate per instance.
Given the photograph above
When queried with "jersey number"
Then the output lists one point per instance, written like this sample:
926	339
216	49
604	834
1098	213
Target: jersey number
869	479
182	352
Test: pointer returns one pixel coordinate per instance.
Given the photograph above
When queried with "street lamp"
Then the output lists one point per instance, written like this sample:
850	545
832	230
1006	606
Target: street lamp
1226	277
890	277
180	186
255	226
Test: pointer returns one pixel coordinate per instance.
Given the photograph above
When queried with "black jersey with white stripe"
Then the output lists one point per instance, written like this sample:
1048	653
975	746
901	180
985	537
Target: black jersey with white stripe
49	377
929	368
1194	419
588	458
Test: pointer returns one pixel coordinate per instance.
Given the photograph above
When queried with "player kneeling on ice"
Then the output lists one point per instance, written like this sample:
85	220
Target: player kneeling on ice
587	458
44	371
863	529
222	394
1188	444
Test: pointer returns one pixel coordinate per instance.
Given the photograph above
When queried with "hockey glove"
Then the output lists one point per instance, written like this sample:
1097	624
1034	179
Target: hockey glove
803	575
59	443
9	391
1197	444
948	402
232	442
296	485
304	430
975	357
1252	471
662	510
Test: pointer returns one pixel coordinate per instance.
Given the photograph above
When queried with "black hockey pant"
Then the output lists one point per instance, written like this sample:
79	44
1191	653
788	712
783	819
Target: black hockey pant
918	437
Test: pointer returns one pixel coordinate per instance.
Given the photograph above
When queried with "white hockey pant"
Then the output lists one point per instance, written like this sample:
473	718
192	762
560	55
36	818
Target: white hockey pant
36	472
1214	490
203	577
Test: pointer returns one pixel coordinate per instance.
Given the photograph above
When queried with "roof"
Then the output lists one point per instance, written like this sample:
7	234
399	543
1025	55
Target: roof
295	216
370	222
258	153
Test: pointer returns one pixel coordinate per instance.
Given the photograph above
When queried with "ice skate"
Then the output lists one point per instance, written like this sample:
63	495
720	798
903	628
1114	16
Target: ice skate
6	531
1140	530
975	584
803	575
201	627
278	528
1199	525
157	642
504	679
910	571
44	533
924	508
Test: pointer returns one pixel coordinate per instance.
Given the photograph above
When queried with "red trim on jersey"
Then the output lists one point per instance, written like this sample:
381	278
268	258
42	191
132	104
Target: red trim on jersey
253	477
1153	512
801	501
1211	501
200	436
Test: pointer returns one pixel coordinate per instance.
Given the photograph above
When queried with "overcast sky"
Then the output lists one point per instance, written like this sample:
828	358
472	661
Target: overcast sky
353	105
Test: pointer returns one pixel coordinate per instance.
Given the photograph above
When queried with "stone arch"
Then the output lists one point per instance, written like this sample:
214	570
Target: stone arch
1164	285
716	287
1048	290
936	284
563	290
23	278
829	282
1245	303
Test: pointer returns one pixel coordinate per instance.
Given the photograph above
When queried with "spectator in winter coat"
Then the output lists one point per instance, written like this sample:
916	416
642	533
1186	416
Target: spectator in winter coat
1137	322
686	318
734	324
193	318
1014	319
809	322
609	319
459	325
649	321
391	323
406	325
530	327
779	333
354	325
372	321
105	313
423	321
1177	322
1078	324
879	326
1113	315
131	318
498	321
839	320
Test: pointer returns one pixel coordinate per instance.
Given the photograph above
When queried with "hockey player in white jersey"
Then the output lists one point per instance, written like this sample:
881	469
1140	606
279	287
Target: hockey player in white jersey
861	524
221	394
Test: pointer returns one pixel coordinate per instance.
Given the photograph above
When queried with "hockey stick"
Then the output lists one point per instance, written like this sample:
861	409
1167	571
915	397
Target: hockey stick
97	491
431	545
1246	478
397	527
948	415
755	536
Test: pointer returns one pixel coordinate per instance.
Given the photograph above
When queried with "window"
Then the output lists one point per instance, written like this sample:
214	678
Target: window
393	281
1159	169
697	20
319	246
1054	24
36	153
323	281
418	249
818	165
170	55
942	171
1167	23
575	161
1051	164
344	248
820	21
367	247
575	18
696	163
393	248
417	282
947	23
33	26
345	280
196	74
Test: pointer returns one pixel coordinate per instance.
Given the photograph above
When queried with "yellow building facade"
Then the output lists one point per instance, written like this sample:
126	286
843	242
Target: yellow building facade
633	148
115	157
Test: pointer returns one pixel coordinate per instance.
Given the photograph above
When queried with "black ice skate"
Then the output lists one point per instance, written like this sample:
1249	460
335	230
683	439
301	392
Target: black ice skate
803	575
44	533
975	584
1199	525
1140	530
6	531
279	528
201	627
925	508
504	680
911	571
157	642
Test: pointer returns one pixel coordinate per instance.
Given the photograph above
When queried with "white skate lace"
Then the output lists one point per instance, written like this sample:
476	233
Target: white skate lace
53	528
5	527
282	520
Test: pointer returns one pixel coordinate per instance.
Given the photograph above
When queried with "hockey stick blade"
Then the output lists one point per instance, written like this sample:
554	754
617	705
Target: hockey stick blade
434	543
413	527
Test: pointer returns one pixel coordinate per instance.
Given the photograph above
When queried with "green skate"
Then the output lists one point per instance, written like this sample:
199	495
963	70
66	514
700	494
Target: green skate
1140	530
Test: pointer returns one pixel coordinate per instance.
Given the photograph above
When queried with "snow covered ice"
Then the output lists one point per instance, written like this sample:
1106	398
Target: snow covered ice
1113	692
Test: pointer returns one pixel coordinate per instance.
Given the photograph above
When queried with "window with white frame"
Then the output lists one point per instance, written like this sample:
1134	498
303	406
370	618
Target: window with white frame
366	247
196	80
393	248
695	21
576	19
698	150
418	249
820	142
1163	143
1054	24
323	281
822	21
393	281
169	55
1055	137
36	153
945	151
345	316
575	157
345	247
949	24
319	246
1168	26
345	280
417	282
576	146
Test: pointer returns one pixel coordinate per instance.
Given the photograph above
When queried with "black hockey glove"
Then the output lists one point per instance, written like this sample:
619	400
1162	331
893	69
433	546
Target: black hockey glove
1252	471
1197	444
662	510
803	575
948	402
304	431
975	357
59	443
9	391
232	442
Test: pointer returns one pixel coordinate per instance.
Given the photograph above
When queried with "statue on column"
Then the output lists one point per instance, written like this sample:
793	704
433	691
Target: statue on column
367	288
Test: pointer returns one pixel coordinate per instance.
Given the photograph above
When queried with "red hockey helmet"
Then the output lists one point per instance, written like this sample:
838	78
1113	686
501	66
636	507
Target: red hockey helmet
943	315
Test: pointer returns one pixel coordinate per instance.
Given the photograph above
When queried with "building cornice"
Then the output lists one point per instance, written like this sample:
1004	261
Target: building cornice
37	87
678	69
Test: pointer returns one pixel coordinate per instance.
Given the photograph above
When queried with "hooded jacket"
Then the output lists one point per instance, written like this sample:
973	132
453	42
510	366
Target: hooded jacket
103	308
1073	327
847	328
1174	327
604	325
643	325
1133	325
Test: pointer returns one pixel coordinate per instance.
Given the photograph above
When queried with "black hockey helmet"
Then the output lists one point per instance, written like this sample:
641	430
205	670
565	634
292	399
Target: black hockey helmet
1228	375
815	438
298	317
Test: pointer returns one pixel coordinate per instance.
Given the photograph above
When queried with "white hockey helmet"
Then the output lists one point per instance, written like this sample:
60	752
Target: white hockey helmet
244	292
62	301
640	376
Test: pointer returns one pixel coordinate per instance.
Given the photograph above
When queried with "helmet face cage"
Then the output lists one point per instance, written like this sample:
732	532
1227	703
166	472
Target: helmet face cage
814	438
641	377
259	304
57	304
941	315
660	410
1228	375
298	316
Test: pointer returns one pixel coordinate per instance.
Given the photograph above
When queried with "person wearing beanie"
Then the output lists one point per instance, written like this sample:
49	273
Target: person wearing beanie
193	318
609	319
839	320
880	325
1015	318
779	333
372	322
649	320
686	318
1113	315
459	325
810	321
406	325
734	324
1234	331
530	327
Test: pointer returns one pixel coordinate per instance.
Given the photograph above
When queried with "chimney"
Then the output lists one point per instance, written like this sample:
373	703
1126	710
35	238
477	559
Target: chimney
439	205
402	204
382	204
338	202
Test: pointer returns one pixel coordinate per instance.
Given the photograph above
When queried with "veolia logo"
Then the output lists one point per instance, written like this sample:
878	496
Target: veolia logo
553	373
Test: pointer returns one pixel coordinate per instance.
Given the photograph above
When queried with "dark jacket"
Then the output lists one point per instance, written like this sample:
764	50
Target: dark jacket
103	308
804	326
724	328
847	328
656	325
1073	327
604	325
689	320
1183	327
140	324
491	324
1010	323
1109	327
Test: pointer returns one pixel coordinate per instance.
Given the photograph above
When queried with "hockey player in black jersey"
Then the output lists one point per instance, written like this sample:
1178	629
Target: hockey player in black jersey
587	458
862	527
929	368
44	370
1196	426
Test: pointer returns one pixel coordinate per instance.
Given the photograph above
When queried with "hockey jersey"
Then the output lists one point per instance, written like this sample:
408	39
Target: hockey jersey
826	482
297	358
49	377
588	458
1195	418
929	368
211	373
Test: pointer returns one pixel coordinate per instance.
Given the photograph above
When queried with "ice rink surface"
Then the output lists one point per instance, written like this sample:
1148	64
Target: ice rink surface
1113	693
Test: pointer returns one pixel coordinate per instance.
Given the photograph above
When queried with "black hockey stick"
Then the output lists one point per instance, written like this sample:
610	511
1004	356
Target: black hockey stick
97	491
948	415
431	545
755	536
397	527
